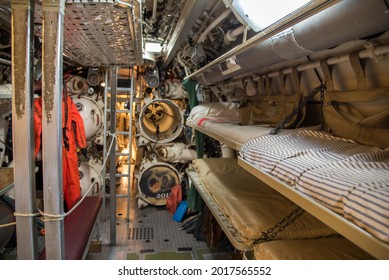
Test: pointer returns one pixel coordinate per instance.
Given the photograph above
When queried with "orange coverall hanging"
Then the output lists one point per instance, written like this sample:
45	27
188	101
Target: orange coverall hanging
73	134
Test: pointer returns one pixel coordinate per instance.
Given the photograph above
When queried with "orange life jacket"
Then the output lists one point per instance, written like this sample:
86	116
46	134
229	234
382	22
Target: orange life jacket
73	135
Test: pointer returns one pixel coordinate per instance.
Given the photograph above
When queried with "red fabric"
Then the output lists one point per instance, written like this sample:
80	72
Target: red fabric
73	129
37	124
174	198
201	121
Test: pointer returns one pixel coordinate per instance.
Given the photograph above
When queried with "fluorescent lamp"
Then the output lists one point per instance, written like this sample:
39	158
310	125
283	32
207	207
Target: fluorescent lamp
259	14
153	47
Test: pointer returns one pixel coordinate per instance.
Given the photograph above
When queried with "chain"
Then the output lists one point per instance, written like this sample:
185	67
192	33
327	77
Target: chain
272	232
301	105
321	110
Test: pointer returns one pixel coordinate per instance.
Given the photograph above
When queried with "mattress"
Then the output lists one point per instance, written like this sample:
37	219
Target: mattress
251	206
333	248
349	178
201	114
221	120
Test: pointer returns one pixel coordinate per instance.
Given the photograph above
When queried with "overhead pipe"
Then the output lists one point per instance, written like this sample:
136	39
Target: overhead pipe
232	35
207	15
191	11
154	15
376	53
6	62
357	19
299	15
370	53
215	23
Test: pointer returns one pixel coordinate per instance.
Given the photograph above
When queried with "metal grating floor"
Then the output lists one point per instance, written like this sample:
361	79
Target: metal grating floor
149	230
154	229
139	233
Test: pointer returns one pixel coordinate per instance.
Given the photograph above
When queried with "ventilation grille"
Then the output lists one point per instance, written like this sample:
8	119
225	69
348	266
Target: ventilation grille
229	66
143	233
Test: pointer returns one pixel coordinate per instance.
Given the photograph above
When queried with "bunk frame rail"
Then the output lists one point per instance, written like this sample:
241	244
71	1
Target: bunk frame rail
227	141
235	238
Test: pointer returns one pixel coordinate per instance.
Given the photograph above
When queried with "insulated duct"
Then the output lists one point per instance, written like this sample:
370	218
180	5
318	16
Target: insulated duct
343	22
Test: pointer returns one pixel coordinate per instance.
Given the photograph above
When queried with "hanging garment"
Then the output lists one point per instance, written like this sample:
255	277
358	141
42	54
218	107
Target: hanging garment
73	134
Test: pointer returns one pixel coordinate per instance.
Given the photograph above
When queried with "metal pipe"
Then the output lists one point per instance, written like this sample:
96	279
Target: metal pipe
6	62
231	35
129	187
376	53
191	11
357	18
105	137
207	15
112	158
293	18
154	15
215	23
122	4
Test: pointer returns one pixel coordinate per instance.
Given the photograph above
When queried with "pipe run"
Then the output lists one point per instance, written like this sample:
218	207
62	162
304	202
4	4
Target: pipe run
377	53
215	23
357	18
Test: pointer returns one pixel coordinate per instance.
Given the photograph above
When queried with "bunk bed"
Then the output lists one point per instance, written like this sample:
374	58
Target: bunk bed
295	163
261	222
326	180
228	187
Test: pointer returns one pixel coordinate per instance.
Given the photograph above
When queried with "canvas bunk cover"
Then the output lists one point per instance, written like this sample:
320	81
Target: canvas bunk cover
252	207
332	248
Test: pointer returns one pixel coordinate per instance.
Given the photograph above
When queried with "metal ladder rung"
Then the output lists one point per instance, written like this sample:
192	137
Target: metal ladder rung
117	195
113	95
120	89
119	111
118	175
123	154
122	132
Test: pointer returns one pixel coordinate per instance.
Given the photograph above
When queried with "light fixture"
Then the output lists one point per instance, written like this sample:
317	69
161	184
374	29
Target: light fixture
123	4
259	14
153	47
